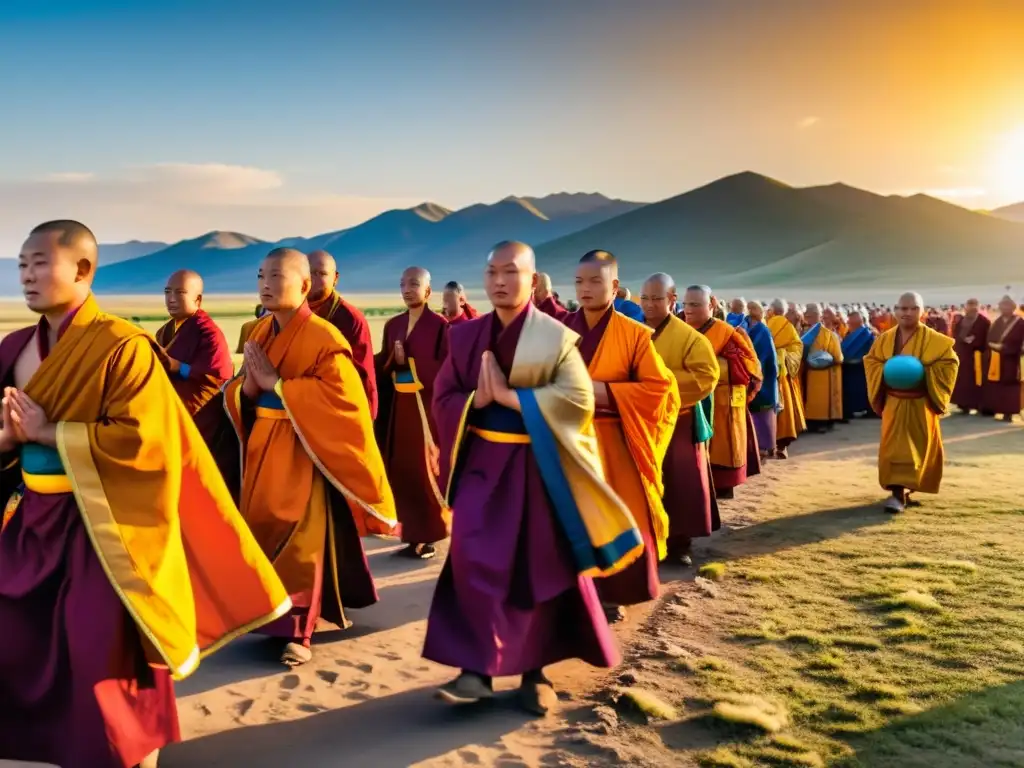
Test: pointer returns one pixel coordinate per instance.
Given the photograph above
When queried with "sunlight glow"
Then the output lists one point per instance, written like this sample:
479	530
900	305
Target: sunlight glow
1009	163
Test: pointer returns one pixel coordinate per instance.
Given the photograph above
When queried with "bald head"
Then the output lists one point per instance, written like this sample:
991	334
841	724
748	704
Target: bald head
738	305
697	309
183	294
661	281
415	287
284	280
323	274
510	277
658	298
908	310
1007	306
597	281
779	307
542	290
57	265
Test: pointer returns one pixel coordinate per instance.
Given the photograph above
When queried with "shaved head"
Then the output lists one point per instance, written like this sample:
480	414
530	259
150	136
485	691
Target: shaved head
284	280
510	278
908	310
738	305
911	297
57	265
513	249
544	280
183	294
697	305
597	281
779	306
415	287
658	298
1007	305
323	273
70	234
662	281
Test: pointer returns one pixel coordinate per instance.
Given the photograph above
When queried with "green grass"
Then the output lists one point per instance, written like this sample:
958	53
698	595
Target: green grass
712	571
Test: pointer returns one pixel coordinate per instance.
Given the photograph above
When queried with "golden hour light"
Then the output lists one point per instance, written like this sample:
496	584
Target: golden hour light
1009	163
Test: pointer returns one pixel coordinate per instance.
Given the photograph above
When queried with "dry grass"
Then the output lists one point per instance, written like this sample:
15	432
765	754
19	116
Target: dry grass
712	571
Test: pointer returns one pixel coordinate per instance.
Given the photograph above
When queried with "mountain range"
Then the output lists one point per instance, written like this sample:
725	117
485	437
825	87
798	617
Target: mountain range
742	230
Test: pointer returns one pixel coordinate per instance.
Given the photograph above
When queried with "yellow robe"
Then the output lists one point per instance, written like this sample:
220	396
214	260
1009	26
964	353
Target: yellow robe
823	389
158	514
737	386
688	354
910	453
790	351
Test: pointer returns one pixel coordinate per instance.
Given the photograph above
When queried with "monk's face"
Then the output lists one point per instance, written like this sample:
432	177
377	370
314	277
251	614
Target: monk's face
543	288
282	284
908	313
971	308
323	275
596	285
415	287
622	293
794	317
1007	307
510	278
182	296
812	315
755	311
855	321
828	317
657	301
736	306
696	308
451	299
49	273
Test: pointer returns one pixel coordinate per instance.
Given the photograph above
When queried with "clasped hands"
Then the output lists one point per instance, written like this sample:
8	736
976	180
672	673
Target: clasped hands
492	386
260	374
24	421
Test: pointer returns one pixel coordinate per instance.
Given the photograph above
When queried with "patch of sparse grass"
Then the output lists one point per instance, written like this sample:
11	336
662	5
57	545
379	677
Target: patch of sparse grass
804	637
781	757
722	757
914	601
898	707
864	643
712	571
789	743
751	711
878	692
648	704
827	660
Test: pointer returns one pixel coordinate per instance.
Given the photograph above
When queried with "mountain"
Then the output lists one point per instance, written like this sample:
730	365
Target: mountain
370	256
111	253
1013	212
749	230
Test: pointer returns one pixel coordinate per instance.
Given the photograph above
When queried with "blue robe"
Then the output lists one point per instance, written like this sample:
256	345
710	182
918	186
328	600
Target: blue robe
767	398
738	320
855	383
630	309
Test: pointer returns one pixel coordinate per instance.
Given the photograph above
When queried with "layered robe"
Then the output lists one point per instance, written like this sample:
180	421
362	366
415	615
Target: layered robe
632	437
734	449
313	479
822	388
551	307
790	350
462	317
1001	390
767	402
406	430
970	378
689	488
244	333
471	312
123	560
910	453
516	592
353	326
855	384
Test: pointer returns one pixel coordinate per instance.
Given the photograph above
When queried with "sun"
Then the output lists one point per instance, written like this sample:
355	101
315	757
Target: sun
1009	163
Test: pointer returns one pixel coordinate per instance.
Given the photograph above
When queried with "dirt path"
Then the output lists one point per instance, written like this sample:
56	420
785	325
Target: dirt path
367	697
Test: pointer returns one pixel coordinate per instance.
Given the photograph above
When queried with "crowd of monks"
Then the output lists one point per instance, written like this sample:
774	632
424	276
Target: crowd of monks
160	503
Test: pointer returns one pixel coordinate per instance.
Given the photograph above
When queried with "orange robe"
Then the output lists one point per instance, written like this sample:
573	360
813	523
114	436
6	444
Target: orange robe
632	438
313	479
245	333
823	388
734	450
790	351
910	453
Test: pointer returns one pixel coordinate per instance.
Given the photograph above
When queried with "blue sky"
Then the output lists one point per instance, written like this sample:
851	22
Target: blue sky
167	119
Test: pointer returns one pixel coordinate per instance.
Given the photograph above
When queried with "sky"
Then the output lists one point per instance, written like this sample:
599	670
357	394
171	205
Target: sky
164	120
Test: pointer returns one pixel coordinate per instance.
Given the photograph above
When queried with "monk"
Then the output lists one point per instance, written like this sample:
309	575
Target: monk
198	358
123	560
855	346
796	318
624	303
246	330
414	346
515	409
789	350
970	340
454	306
546	300
313	481
637	408
1001	391
327	303
821	372
689	488
734	450
765	406
910	456
737	314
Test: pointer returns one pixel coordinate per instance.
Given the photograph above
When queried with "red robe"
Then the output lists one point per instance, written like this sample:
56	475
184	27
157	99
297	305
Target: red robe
551	307
971	375
1001	366
353	326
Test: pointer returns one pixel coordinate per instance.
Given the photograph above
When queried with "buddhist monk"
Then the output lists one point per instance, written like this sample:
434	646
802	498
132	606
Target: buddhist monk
468	310
246	330
198	358
123	560
910	456
1001	391
326	302
414	346
546	300
734	450
854	346
822	372
970	340
313	481
689	488
454	307
796	318
737	314
790	350
637	408
515	409
765	406
624	303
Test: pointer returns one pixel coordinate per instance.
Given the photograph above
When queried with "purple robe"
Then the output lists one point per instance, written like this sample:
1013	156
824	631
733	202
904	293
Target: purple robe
967	392
689	488
509	599
75	688
1002	394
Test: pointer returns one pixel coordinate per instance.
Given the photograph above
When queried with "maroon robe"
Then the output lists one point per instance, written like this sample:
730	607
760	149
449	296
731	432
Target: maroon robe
551	307
1003	394
75	688
353	326
400	428
509	599
462	317
469	310
967	393
639	582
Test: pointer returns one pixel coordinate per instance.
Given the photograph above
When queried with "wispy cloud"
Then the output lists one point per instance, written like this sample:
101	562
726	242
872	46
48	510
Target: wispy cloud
171	201
808	122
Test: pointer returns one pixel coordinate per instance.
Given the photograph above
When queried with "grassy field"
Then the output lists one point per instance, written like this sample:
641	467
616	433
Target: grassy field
824	632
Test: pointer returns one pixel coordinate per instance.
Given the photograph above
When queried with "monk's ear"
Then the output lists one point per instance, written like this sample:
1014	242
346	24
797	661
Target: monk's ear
426	294
307	283
335	283
533	282
615	285
85	270
199	299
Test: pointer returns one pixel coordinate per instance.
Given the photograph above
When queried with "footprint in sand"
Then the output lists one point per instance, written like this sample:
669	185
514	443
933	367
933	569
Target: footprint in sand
311	709
290	682
242	707
328	677
364	668
205	710
469	757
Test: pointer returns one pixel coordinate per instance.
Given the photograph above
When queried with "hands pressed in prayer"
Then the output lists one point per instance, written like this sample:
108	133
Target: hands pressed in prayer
9	436
260	375
500	391
969	340
398	354
484	394
28	420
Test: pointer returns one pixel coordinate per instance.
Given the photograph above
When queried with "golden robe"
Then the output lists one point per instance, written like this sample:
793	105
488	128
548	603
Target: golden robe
823	388
160	518
790	352
688	354
740	379
910	454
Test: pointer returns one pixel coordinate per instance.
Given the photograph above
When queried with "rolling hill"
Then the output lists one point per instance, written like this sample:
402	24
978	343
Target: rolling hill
111	253
1013	212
